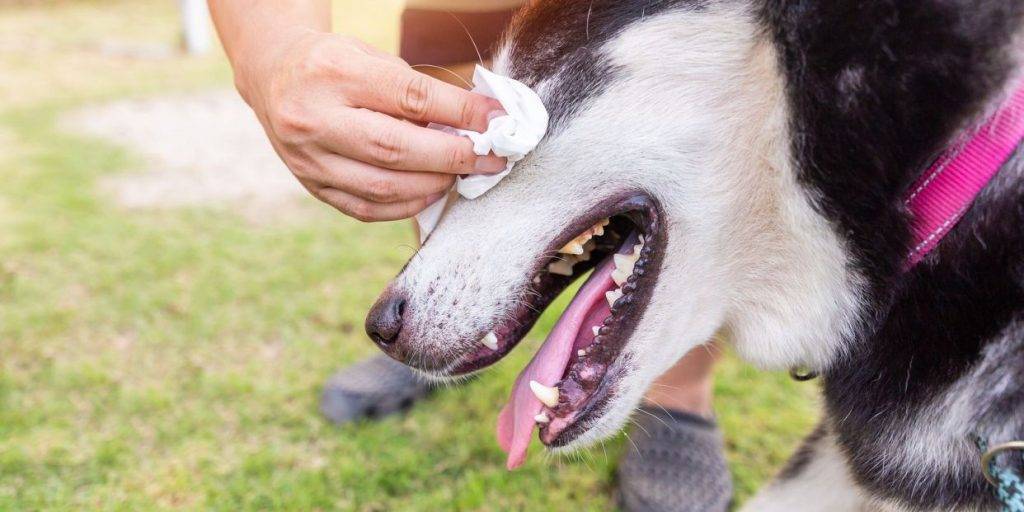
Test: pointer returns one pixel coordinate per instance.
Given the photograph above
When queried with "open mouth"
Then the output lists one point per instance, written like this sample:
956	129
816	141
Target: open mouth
573	376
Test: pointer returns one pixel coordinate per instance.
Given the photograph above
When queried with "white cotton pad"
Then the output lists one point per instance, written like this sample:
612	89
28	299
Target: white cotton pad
512	136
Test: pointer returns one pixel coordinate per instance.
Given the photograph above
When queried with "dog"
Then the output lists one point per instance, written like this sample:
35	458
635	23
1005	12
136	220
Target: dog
739	167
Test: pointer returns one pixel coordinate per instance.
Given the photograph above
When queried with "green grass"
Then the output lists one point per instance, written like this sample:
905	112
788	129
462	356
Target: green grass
173	359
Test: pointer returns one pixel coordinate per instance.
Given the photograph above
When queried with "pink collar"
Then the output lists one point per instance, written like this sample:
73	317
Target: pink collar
942	194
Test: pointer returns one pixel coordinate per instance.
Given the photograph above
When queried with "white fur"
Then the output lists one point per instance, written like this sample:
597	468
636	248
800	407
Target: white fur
824	484
698	120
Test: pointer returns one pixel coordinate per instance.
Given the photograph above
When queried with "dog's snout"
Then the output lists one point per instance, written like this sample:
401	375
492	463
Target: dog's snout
384	322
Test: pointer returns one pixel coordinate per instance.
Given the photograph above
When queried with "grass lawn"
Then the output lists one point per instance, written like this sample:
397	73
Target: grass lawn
173	359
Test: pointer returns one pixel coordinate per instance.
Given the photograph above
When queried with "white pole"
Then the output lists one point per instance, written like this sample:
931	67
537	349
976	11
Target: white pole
195	21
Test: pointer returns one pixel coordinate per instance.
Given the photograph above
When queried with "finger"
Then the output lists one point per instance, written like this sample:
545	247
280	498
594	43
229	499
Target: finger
384	141
409	94
368	211
379	185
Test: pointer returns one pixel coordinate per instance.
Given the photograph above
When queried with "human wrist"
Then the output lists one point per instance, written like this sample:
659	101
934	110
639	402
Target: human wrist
257	63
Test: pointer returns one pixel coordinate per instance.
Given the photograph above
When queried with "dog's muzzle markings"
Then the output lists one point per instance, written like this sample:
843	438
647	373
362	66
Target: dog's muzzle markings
573	375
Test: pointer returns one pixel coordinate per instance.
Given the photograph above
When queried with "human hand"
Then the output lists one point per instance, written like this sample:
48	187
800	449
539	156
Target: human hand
349	121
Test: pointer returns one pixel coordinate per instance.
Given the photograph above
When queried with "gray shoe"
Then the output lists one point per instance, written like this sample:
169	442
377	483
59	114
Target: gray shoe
371	388
674	463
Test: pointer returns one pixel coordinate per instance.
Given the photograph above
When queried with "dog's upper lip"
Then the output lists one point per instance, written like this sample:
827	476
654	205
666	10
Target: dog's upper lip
518	322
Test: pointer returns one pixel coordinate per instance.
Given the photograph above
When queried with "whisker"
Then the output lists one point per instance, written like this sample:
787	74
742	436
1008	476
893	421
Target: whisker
471	40
653	416
456	75
590	11
639	426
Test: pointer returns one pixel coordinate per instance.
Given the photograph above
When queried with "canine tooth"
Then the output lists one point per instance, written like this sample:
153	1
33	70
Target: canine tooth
596	329
541	418
490	341
547	395
561	267
613	296
581	352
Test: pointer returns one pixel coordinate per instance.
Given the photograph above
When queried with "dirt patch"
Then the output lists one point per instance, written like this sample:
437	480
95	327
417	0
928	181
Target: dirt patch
200	150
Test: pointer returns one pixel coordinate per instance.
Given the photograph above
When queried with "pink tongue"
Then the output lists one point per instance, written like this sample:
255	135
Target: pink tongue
588	308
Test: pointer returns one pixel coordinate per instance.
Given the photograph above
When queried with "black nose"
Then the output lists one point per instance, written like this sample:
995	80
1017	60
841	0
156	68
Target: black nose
385	319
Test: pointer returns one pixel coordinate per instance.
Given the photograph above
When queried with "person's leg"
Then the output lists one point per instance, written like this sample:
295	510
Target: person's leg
675	460
689	385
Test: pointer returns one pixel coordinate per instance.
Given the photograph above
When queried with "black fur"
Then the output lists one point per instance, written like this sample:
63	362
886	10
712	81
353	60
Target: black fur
564	38
948	313
877	88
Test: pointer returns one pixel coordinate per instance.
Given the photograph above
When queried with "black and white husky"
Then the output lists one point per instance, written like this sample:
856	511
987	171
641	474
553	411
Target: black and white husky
755	154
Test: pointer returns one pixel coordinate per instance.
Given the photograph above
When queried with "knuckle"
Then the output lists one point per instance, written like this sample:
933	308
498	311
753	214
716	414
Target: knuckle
414	96
292	122
469	111
388	147
302	169
382	190
458	158
321	58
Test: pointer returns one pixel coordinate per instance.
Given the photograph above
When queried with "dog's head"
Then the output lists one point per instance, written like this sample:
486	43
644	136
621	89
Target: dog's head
669	171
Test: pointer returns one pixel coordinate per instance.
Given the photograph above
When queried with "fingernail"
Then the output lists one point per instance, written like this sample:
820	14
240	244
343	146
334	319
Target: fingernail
495	114
490	164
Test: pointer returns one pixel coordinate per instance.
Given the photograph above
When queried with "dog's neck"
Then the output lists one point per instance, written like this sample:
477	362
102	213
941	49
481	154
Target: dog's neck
873	115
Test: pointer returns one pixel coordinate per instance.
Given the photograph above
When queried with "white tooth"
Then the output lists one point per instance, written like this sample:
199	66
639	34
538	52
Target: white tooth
536	279
560	267
621	260
619	277
625	263
613	296
581	352
490	341
547	395
541	418
573	247
636	251
596	329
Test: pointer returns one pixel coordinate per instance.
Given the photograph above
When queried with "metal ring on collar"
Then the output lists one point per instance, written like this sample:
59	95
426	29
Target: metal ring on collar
986	459
801	374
